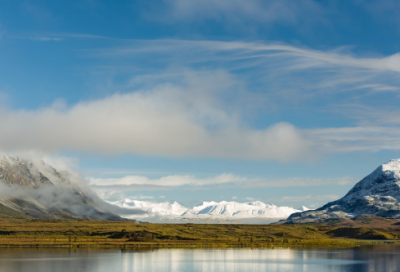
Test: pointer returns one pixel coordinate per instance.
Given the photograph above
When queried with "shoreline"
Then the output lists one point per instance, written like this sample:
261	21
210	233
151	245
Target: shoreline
153	246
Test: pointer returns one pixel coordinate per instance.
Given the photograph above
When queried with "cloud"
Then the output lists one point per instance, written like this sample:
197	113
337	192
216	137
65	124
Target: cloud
226	180
369	117
295	182
169	120
65	191
276	75
209	111
118	195
302	58
174	180
287	77
352	139
379	87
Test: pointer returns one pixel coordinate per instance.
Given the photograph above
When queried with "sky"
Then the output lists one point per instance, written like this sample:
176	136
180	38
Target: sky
281	101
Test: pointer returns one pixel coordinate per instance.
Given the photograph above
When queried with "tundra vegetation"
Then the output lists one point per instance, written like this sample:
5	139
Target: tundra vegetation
27	232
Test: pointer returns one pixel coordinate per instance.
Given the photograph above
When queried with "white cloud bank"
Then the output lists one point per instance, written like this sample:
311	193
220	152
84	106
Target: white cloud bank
166	121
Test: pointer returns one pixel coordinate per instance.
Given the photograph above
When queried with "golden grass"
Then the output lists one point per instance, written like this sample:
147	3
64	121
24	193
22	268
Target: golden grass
127	234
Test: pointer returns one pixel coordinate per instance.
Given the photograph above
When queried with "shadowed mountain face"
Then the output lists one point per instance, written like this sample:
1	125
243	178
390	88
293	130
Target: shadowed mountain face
34	189
378	194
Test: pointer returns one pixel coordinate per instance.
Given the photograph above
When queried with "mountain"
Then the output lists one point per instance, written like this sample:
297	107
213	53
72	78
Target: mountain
239	210
377	194
30	188
220	211
152	208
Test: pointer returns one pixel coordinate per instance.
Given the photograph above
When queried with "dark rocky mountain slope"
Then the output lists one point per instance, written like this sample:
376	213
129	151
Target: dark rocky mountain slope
377	194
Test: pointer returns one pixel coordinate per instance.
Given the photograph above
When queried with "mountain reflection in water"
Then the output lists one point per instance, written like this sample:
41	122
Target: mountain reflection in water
366	258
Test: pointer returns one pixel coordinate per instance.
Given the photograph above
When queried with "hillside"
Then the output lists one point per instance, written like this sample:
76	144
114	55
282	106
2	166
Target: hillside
127	234
33	189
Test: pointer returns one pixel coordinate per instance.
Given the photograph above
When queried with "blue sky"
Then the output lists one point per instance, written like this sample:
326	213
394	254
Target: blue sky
286	102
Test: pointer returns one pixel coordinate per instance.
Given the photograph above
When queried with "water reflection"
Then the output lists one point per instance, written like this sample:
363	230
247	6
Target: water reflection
366	258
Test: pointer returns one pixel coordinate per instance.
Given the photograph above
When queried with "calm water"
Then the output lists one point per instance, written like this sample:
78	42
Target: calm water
368	258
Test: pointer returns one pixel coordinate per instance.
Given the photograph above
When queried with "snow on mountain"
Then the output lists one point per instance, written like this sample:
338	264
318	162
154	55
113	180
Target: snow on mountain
152	208
206	211
377	193
239	210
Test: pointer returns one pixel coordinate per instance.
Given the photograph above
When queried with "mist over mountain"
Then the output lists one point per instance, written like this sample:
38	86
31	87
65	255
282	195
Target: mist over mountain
377	193
31	188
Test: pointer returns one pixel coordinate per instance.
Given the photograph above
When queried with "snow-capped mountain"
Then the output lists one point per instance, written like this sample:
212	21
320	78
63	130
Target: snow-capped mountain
377	193
239	210
206	211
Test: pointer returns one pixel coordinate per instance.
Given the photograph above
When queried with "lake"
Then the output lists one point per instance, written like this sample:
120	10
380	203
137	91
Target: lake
366	258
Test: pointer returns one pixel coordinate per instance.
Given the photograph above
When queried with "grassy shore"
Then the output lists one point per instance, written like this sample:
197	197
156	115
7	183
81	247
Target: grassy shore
126	234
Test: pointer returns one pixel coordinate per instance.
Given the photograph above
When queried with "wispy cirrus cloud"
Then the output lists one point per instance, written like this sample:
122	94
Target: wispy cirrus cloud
297	57
284	74
360	138
226	180
295	182
174	180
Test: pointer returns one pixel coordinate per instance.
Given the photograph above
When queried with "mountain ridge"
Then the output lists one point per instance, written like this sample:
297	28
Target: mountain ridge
378	194
224	210
31	188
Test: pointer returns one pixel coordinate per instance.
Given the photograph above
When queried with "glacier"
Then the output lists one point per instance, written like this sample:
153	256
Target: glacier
216	212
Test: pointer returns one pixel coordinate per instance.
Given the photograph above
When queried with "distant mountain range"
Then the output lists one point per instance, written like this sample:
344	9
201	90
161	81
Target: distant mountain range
377	194
207	211
33	189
